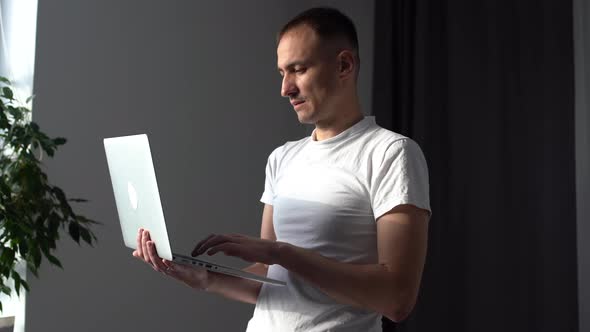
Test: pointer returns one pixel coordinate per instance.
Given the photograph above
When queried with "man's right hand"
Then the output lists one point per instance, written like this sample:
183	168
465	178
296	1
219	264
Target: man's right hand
195	277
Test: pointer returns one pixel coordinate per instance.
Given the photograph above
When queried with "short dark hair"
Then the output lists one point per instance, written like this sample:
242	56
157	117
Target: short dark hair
328	23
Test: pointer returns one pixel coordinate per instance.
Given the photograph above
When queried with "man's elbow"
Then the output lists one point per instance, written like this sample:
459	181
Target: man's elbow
398	314
399	309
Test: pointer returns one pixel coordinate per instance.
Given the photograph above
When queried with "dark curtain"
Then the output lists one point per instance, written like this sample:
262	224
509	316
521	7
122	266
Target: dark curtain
486	89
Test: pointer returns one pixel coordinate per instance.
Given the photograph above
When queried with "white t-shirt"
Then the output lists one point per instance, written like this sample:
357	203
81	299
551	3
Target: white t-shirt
326	196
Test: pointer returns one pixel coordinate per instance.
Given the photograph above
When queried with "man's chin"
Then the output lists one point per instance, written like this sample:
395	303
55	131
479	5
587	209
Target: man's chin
304	117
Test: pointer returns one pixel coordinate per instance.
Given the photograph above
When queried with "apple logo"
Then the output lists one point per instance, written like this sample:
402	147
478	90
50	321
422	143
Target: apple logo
132	195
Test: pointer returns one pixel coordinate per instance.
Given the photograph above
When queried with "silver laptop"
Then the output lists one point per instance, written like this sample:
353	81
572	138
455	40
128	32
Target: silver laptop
138	202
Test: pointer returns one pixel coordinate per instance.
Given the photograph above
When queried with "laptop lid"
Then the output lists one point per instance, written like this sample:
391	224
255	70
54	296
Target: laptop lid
136	191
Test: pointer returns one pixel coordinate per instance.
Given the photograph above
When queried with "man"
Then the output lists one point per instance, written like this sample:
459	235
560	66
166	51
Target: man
346	211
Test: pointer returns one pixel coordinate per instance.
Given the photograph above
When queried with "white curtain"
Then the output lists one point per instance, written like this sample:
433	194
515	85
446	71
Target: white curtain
18	26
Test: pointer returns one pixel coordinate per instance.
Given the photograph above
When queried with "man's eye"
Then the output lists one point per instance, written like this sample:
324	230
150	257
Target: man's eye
300	70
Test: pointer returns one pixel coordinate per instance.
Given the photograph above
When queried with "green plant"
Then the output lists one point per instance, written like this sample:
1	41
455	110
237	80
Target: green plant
32	211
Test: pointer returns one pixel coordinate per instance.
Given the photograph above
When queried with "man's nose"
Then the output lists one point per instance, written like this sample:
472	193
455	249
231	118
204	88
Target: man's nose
288	87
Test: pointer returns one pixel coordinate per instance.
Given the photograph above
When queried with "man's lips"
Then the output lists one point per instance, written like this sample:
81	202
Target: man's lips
297	102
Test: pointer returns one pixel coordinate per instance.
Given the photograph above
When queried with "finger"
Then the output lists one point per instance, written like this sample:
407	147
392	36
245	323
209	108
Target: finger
195	250
150	245
193	276
213	241
169	268
175	268
229	249
177	271
144	248
154	258
137	253
169	265
236	235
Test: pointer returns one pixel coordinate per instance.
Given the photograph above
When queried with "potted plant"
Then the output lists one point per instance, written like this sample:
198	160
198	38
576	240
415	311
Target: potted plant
32	211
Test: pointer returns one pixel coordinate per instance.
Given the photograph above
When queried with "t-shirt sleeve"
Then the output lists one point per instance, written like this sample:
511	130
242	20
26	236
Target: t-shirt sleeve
269	194
401	178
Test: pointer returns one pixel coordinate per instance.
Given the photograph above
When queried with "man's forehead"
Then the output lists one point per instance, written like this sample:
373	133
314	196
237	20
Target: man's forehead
297	44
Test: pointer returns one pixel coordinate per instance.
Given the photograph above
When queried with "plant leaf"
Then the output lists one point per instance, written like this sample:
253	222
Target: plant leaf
33	269
59	141
78	200
53	260
25	284
23	249
74	231
36	255
7	93
17	280
5	289
86	235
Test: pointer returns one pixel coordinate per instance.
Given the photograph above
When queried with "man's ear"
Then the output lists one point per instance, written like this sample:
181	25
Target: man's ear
346	64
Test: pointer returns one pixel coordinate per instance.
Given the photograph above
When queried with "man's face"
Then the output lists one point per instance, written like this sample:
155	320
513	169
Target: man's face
310	74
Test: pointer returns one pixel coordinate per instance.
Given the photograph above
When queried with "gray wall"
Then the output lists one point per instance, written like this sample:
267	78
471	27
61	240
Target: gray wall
582	73
200	78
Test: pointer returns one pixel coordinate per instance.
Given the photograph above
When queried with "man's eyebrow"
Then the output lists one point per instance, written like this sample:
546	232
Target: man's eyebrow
293	64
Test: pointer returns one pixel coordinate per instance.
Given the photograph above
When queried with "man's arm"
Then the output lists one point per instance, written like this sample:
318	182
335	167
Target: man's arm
389	287
199	278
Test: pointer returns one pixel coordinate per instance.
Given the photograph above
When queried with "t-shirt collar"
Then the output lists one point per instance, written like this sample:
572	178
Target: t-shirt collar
353	130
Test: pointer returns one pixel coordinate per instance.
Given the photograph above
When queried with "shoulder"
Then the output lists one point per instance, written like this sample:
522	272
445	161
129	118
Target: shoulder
288	149
385	144
386	138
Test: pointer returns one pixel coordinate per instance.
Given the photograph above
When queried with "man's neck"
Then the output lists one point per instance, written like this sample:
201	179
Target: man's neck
328	129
